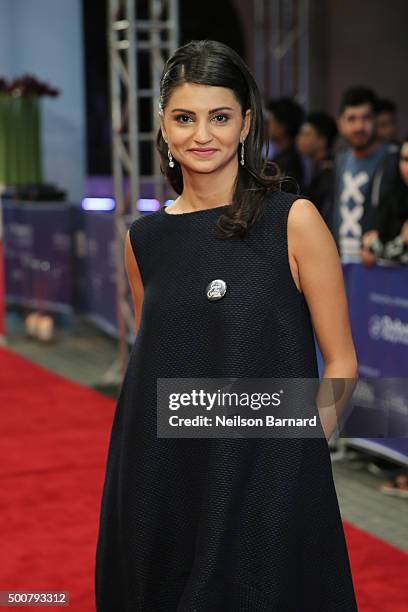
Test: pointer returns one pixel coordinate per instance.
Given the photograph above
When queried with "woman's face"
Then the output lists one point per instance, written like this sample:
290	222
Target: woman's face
203	126
403	163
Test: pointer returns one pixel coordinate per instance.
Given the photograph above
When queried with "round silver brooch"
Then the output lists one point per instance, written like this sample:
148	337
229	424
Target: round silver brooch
216	289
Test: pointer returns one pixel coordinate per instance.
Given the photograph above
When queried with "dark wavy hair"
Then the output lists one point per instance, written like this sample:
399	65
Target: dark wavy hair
209	62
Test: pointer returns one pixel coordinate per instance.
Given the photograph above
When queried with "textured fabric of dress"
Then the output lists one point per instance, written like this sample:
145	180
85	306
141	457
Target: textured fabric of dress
230	524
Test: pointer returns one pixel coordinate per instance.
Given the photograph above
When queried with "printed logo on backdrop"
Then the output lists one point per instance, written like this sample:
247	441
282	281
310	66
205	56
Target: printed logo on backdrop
352	200
388	329
22	234
38	255
388	300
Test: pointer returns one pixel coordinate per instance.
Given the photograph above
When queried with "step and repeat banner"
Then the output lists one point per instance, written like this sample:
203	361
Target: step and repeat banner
38	255
378	305
60	258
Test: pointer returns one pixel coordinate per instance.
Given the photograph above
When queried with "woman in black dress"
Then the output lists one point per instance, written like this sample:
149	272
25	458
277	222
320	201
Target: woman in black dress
228	281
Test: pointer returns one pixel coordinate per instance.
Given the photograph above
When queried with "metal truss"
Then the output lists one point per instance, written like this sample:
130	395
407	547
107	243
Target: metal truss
281	48
140	33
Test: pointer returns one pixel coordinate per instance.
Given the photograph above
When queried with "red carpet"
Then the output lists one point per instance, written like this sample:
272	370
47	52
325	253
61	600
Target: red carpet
54	439
379	572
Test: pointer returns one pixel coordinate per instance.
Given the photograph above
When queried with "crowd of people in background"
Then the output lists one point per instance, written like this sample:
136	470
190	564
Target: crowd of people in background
353	167
355	170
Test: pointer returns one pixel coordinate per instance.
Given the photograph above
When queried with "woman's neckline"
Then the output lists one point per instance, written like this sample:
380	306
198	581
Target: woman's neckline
192	212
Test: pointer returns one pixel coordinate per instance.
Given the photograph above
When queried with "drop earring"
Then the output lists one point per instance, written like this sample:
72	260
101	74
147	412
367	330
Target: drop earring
169	155
242	153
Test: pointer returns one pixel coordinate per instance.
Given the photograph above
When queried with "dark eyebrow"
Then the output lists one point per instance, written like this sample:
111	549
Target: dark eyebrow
214	110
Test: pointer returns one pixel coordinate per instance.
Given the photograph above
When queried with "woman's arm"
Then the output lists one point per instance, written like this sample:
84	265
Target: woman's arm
135	281
312	247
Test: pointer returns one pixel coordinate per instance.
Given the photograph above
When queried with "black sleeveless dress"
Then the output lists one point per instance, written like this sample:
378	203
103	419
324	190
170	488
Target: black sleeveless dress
217	525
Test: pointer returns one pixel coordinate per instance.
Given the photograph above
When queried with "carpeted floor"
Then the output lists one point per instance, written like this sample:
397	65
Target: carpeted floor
54	439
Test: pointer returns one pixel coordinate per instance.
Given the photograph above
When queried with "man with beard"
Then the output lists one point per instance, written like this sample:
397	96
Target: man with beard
363	171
